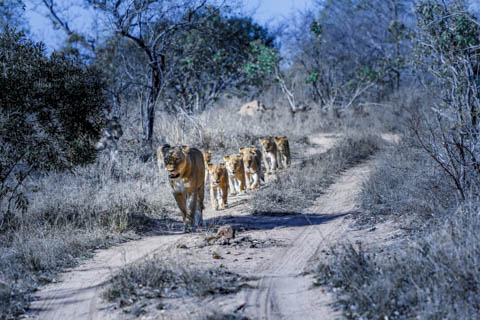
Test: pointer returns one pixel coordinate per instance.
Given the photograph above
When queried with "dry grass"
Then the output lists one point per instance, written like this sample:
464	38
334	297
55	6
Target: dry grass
139	285
432	271
406	185
70	214
434	276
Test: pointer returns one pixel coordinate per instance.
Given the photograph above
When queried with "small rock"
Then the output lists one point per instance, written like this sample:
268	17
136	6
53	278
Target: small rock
209	238
216	255
181	246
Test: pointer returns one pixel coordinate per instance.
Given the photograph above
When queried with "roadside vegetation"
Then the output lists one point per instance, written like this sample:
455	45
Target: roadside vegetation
427	183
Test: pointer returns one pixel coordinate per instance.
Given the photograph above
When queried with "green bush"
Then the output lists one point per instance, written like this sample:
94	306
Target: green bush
51	109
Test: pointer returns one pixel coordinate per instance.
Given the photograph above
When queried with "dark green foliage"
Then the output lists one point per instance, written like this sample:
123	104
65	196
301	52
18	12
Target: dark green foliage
51	110
212	57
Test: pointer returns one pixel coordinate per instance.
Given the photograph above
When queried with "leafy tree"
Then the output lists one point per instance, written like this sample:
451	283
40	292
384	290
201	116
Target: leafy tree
213	57
51	109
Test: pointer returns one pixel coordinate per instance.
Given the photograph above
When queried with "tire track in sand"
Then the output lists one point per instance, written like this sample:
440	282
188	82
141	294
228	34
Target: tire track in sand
284	292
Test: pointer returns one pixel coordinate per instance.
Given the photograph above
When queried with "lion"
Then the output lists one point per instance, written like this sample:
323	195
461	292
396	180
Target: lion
269	154
236	173
218	185
207	158
186	173
111	134
283	152
252	158
253	108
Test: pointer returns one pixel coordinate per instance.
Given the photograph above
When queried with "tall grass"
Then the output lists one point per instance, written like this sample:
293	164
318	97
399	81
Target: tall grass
406	185
435	276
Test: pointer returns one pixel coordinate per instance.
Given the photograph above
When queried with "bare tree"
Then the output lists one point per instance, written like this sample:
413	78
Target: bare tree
151	26
448	47
348	48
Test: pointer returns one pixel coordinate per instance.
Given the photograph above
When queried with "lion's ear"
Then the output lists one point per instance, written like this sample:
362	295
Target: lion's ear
186	149
242	149
210	166
164	149
226	158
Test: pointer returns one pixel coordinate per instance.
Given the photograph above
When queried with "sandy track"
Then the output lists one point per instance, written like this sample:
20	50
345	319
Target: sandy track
283	291
77	294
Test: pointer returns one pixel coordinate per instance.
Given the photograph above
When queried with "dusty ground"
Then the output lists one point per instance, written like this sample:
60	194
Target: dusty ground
275	253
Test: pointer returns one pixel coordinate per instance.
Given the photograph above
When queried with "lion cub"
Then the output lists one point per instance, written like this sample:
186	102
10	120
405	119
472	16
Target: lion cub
218	185
269	153
283	152
236	173
186	174
253	167
207	158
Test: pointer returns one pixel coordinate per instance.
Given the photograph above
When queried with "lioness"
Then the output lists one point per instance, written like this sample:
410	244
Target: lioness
236	173
269	153
112	132
283	151
252	163
207	158
186	174
218	185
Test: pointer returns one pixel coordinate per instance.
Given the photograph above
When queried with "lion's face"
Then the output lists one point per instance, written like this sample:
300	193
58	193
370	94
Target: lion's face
249	159
207	156
281	143
246	150
217	173
175	160
267	144
234	163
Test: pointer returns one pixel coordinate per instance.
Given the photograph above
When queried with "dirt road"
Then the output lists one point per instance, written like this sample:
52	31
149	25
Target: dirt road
279	250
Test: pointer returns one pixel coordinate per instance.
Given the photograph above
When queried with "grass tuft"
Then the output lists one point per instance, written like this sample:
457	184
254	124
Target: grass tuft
156	278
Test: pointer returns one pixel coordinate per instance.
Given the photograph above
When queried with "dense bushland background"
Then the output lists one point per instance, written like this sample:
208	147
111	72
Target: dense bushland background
178	71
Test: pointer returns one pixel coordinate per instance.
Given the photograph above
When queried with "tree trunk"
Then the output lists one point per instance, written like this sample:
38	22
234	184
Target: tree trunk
148	121
149	116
